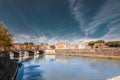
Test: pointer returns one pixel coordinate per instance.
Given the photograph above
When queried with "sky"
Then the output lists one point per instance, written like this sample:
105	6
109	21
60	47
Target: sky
54	21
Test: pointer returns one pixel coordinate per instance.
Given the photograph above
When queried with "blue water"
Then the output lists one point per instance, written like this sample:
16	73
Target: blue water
51	67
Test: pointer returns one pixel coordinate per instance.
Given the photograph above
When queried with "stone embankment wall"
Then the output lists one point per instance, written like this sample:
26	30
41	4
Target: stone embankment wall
49	51
4	63
111	53
105	52
8	68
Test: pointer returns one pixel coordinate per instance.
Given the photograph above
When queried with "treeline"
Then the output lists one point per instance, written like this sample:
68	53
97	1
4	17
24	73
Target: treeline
109	43
113	44
27	46
92	43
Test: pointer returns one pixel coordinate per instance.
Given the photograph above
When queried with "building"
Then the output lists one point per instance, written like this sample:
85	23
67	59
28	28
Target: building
78	45
100	45
17	46
62	45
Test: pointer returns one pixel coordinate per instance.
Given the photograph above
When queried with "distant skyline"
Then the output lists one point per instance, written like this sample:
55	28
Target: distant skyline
61	20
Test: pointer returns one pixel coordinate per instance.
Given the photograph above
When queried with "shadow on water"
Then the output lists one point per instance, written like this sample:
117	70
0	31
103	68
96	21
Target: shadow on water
33	72
20	72
27	70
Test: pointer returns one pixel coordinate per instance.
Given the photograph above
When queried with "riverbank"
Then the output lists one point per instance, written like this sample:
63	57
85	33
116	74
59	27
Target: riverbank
111	53
89	55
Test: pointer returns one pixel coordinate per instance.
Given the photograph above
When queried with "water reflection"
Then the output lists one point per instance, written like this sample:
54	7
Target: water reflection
51	67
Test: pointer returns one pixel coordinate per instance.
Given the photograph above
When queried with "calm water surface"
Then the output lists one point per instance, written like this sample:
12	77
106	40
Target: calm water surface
51	67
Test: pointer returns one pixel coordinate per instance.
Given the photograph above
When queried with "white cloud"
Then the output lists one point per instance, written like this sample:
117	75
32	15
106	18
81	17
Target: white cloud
75	6
20	38
108	13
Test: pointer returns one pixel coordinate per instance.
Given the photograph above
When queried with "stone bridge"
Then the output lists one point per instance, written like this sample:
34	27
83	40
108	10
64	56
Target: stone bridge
20	53
8	67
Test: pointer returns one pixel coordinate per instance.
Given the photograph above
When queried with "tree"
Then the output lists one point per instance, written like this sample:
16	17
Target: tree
52	46
91	43
100	41
113	44
5	38
36	47
29	46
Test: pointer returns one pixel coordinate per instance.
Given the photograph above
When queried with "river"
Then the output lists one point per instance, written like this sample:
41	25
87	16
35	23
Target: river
56	67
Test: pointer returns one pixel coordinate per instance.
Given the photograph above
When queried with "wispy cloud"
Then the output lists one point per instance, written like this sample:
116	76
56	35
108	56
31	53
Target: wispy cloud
20	38
26	28
108	13
37	39
75	7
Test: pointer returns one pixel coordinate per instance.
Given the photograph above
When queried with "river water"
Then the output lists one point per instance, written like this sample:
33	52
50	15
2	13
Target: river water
51	67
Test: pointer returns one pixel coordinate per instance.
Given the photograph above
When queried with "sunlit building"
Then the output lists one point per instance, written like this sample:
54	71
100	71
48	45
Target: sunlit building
62	45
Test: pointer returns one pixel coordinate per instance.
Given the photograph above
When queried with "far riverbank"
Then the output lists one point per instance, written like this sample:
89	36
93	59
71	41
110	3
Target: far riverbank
110	53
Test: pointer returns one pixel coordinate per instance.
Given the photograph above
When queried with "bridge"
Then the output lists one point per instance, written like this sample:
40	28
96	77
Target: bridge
8	67
21	53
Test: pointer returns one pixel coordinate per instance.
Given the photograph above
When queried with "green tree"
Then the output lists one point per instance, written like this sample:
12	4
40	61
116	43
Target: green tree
100	41
29	46
36	47
91	43
52	46
113	44
5	38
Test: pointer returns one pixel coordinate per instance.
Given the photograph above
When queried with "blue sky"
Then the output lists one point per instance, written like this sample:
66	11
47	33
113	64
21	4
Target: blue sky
61	20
